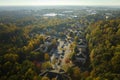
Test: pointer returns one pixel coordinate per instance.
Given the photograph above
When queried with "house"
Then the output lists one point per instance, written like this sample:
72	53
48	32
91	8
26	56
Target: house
78	59
59	75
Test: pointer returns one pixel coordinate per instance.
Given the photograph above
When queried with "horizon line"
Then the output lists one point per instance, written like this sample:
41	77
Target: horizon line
58	5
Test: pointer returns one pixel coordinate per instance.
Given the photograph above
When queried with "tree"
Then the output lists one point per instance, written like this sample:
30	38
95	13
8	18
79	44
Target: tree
46	65
29	74
76	73
11	57
46	57
116	63
92	55
45	78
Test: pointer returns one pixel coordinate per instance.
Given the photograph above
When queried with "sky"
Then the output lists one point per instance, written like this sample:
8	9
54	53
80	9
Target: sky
58	2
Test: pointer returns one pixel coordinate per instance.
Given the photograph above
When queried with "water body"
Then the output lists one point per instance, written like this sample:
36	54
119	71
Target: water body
52	14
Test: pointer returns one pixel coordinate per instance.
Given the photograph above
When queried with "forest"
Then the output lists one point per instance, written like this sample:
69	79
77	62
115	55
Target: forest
80	43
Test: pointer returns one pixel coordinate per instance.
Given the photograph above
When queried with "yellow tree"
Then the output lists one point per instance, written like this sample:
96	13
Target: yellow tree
46	56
